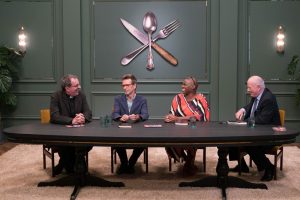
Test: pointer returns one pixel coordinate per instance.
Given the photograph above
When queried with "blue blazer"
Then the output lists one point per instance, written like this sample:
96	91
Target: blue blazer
139	106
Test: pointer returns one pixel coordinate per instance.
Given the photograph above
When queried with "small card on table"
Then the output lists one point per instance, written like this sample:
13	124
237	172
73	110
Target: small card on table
152	125
75	125
279	128
236	123
125	126
181	123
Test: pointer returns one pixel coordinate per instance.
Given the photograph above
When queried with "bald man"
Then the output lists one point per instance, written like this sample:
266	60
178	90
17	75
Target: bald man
263	108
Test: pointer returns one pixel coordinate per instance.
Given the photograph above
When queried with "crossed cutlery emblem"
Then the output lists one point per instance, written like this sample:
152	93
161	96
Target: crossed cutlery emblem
146	39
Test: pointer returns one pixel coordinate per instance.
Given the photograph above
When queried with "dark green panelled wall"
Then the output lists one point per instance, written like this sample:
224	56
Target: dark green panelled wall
239	43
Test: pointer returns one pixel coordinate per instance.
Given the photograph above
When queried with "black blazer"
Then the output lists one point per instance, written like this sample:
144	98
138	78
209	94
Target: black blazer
60	108
267	111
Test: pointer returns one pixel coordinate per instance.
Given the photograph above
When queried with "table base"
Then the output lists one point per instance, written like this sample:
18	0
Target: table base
213	181
222	180
81	177
79	182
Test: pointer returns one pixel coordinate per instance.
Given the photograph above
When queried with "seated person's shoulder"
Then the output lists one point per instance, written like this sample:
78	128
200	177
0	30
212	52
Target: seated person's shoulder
57	94
119	96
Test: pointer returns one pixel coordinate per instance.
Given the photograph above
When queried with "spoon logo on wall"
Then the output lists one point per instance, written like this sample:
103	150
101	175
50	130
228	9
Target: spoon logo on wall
147	39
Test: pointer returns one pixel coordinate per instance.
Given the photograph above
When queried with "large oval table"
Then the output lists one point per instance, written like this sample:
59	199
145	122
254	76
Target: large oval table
204	134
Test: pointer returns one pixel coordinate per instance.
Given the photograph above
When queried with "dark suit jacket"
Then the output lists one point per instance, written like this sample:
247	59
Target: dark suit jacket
60	108
139	106
267	111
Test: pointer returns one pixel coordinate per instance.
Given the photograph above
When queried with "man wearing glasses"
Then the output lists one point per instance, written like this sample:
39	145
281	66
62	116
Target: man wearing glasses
129	108
69	106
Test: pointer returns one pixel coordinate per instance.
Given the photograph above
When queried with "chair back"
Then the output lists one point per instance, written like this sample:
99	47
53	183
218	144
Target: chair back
282	116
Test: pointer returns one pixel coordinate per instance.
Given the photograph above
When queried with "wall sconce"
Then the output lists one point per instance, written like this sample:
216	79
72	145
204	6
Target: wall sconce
280	40
22	41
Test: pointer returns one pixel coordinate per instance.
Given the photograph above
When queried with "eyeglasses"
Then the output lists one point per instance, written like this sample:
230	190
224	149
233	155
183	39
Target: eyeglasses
126	85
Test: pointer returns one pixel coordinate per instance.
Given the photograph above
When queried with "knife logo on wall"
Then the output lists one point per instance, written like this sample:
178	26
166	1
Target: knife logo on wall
149	25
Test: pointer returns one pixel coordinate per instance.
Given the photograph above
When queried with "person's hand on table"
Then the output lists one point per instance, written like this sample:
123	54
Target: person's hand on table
239	115
134	117
78	119
124	118
170	118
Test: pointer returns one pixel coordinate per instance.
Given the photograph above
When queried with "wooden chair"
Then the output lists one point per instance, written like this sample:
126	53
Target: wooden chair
276	151
113	158
49	151
203	159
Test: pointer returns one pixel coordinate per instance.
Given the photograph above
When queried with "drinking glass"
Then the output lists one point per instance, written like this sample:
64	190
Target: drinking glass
45	116
251	122
193	121
102	121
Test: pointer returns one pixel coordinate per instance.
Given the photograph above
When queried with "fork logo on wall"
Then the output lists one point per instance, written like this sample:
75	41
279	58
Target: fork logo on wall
149	26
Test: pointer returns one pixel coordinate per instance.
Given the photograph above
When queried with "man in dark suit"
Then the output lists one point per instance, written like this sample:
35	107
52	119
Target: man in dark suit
69	107
129	107
263	109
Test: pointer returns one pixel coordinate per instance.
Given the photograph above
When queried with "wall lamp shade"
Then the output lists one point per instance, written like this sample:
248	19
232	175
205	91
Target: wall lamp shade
22	41
280	40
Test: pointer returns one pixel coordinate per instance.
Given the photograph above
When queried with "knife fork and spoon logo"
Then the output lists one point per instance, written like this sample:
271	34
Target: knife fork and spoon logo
149	24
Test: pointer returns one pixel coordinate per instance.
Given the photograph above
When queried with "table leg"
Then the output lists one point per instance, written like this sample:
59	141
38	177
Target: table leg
222	180
80	178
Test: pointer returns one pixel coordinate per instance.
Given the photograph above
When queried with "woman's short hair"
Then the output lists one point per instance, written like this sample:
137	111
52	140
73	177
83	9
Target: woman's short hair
195	82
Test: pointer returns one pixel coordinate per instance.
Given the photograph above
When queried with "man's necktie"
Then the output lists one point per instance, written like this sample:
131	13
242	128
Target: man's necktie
253	109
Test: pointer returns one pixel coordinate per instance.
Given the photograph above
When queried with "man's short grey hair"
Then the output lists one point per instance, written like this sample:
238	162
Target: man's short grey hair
258	81
66	81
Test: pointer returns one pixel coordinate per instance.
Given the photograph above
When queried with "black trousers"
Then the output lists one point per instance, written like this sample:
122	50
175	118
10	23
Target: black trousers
68	157
233	153
133	158
256	153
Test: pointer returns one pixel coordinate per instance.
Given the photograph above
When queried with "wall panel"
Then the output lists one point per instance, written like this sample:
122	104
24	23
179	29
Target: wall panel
112	41
30	103
39	62
41	67
287	102
264	19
